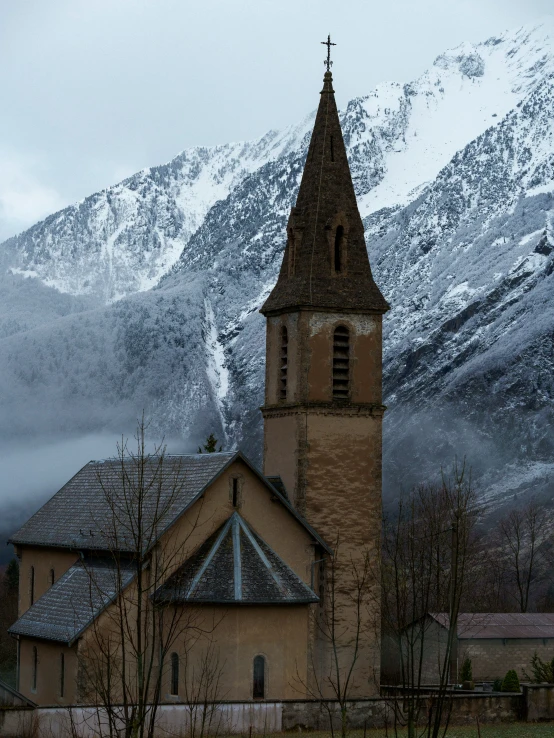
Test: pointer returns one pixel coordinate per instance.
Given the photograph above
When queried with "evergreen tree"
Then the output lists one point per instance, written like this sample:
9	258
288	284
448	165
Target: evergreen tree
11	577
511	682
541	671
466	672
210	447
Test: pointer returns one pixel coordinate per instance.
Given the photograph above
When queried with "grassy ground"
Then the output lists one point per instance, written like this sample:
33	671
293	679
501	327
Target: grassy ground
505	730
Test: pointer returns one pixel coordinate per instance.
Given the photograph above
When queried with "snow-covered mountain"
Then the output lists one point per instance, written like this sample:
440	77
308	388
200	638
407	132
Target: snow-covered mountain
145	295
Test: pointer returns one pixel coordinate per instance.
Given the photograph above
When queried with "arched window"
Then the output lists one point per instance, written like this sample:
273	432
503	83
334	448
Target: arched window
339	245
235	491
32	584
174	673
258	691
51	577
284	362
341	363
62	674
35	669
292	252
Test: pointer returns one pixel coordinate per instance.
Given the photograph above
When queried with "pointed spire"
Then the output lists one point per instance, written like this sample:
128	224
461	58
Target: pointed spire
325	265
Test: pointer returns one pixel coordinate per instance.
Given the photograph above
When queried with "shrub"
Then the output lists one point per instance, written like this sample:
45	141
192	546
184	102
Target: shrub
511	682
466	674
497	685
541	671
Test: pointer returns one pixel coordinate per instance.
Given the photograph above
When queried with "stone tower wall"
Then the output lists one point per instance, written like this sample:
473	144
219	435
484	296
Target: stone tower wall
328	454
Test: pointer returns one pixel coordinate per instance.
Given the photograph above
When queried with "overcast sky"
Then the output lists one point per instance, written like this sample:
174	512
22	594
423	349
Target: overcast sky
94	90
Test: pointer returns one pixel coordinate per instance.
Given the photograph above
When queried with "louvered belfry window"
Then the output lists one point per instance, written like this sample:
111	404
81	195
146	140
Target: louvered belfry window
341	363
284	363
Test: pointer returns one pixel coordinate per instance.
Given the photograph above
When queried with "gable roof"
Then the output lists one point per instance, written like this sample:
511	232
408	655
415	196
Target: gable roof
74	601
500	624
235	566
75	517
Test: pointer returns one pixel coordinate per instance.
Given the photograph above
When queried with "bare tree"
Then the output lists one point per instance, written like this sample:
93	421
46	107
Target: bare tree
124	656
523	534
342	621
203	689
427	553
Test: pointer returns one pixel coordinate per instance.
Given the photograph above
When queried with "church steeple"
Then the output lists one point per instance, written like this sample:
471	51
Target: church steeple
325	265
323	408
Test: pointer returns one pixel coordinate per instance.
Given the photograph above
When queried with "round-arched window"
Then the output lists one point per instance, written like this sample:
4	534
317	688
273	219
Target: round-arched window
258	690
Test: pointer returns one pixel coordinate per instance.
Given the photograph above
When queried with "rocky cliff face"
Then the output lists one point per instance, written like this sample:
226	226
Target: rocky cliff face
146	295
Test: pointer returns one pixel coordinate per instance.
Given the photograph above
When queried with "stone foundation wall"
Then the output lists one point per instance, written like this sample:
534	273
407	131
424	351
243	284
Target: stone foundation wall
260	718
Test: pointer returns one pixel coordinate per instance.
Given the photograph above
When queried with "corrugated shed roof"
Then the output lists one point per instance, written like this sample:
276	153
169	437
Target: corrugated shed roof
235	566
74	601
501	625
80	514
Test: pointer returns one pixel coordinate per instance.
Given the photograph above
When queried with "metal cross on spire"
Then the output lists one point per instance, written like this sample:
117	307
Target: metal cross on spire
328	44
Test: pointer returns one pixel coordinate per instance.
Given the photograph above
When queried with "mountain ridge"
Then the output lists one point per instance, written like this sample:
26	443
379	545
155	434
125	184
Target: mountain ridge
454	174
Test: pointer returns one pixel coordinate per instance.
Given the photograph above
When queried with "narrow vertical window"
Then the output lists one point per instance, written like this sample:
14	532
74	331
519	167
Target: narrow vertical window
321	583
339	243
284	362
235	492
332	150
341	363
258	691
51	577
292	253
62	674
35	669
32	585
174	673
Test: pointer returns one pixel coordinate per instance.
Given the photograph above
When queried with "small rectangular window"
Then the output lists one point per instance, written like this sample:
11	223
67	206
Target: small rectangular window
32	585
174	673
62	674
35	670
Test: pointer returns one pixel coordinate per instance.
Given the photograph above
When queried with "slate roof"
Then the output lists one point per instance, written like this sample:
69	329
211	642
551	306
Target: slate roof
326	198
501	625
235	565
74	601
79	515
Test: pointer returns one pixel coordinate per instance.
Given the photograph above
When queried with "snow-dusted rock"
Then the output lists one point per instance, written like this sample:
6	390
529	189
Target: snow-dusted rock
151	288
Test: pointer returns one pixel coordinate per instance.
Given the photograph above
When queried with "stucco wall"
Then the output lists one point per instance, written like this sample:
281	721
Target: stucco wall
48	689
279	634
44	560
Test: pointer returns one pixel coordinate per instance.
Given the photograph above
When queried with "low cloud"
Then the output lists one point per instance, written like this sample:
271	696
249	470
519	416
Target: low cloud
24	197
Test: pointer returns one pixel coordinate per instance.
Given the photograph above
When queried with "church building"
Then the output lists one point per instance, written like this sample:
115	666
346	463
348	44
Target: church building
274	574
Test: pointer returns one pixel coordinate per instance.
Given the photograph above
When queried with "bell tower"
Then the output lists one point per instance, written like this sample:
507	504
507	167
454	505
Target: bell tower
323	407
